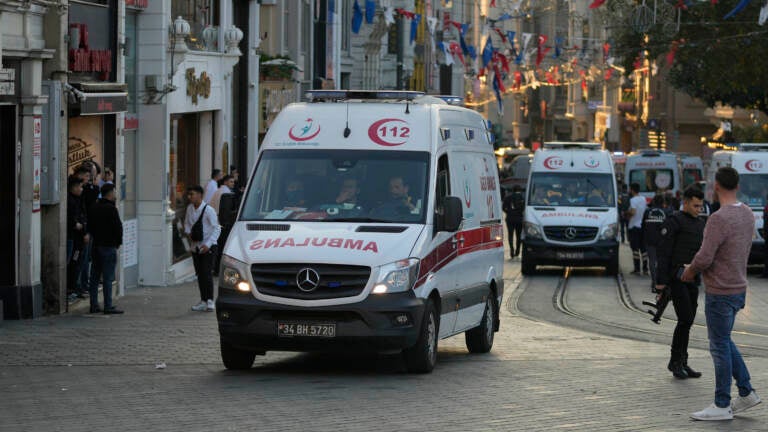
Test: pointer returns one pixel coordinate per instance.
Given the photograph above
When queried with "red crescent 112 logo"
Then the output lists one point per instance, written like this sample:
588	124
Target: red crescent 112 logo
754	165
304	132
389	132
553	162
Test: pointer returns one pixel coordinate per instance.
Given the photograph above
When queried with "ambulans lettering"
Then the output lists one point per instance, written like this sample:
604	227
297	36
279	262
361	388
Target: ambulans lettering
335	242
570	214
650	164
487	183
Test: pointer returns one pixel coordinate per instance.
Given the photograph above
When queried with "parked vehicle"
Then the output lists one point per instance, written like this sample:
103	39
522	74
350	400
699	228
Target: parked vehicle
751	162
571	213
655	171
516	174
372	221
693	170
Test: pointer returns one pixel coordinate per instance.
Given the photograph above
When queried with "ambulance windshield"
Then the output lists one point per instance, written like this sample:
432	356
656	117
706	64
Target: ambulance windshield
753	189
572	189
336	185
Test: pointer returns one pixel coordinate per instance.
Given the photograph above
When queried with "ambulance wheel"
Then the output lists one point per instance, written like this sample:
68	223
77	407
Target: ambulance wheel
421	358
612	268
527	267
235	358
480	339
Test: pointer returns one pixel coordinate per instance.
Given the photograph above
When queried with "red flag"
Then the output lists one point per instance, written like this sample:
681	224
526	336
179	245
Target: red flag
608	74
518	79
492	4
671	53
596	4
501	34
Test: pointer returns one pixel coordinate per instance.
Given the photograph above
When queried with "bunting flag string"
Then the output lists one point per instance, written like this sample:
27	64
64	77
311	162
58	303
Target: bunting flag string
370	11
357	17
415	26
739	7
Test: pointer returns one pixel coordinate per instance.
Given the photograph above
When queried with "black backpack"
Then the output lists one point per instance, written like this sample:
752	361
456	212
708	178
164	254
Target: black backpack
196	234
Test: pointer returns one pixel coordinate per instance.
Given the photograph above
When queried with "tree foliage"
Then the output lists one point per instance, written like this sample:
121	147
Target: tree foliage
716	60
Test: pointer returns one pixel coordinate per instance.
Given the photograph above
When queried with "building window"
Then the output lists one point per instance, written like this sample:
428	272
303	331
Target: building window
346	30
200	14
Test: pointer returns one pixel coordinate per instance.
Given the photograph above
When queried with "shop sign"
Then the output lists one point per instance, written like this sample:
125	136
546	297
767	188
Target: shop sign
82	58
198	86
95	104
137	4
37	137
7	82
131	122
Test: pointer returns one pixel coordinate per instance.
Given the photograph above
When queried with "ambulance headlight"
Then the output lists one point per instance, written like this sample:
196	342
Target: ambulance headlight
398	276
610	231
531	230
233	275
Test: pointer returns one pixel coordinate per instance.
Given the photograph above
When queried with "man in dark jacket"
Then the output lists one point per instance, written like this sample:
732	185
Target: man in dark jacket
514	206
76	234
681	236
107	231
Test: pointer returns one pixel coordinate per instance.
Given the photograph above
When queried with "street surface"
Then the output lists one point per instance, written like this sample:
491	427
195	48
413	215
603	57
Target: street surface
575	356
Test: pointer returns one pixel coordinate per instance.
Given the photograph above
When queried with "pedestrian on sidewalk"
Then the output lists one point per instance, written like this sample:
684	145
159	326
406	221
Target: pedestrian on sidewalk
514	207
202	227
722	260
636	210
76	235
764	275
680	238
107	231
213	184
623	205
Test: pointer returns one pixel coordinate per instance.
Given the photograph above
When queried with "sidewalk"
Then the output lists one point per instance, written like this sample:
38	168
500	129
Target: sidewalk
539	377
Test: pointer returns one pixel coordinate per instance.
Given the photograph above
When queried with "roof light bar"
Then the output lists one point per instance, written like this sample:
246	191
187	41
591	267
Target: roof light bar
337	95
573	145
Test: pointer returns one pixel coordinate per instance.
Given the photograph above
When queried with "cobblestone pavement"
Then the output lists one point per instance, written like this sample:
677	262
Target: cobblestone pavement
84	372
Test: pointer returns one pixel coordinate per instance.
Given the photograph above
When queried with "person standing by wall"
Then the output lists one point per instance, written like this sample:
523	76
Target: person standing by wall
722	260
76	221
680	238
514	207
636	210
107	230
202	227
764	275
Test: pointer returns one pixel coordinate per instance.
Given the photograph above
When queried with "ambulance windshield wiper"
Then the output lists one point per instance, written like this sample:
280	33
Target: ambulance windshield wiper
359	219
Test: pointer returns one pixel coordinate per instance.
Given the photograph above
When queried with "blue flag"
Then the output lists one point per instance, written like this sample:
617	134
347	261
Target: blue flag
739	7
511	37
497	92
558	46
370	10
357	17
504	17
487	52
415	26
472	52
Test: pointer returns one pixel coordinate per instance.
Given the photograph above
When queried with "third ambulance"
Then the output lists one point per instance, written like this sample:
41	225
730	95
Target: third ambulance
654	171
571	216
751	162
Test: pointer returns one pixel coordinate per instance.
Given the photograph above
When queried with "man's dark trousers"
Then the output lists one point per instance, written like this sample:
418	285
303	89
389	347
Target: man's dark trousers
102	268
203	263
685	300
514	229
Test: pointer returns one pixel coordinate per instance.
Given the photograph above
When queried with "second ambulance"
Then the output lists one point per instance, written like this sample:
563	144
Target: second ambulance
571	216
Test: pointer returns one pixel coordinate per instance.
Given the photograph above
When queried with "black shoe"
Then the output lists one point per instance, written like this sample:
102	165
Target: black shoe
95	309
677	369
690	372
81	294
112	311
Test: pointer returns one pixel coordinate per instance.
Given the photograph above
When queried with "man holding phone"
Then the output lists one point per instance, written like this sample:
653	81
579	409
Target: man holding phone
681	235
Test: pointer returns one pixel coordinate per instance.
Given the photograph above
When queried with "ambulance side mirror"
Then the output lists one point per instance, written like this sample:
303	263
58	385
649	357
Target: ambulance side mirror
451	216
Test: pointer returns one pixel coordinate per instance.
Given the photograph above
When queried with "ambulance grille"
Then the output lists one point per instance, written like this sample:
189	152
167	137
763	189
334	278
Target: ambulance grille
570	234
335	281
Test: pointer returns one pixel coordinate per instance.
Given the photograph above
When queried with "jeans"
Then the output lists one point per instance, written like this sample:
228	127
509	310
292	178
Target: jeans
104	263
685	300
720	311
204	271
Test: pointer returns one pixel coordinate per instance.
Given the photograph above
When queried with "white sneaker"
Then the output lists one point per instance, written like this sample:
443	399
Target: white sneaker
713	412
210	307
742	403
200	307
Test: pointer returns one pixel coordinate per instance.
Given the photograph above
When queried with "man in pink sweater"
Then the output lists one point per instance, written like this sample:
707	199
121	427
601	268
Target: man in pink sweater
722	260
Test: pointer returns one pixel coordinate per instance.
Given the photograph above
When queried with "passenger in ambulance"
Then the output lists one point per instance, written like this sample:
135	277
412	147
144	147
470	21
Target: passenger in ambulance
596	198
573	195
294	195
349	192
540	197
399	202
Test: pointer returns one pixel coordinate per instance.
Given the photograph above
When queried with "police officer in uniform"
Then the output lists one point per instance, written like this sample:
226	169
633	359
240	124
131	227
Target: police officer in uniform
680	238
653	219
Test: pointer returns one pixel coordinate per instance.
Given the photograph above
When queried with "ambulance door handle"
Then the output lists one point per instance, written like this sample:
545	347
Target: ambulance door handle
459	240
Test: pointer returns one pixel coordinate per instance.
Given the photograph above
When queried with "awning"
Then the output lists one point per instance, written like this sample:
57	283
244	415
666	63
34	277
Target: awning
98	99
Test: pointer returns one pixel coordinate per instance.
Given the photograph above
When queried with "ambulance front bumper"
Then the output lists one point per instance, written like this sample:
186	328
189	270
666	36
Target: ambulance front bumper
599	253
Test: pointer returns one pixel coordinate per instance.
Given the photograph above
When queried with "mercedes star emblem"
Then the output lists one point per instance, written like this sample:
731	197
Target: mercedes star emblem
570	233
307	279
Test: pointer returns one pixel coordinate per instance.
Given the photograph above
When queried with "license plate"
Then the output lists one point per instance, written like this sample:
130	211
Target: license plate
289	329
568	255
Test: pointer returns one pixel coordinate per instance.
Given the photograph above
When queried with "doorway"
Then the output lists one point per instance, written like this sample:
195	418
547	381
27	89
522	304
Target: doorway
8	189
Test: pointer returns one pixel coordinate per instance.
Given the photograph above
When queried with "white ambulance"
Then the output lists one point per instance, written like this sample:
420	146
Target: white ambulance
372	221
654	171
751	162
692	170
571	215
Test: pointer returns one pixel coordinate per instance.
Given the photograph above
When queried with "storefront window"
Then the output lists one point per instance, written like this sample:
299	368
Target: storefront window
184	161
203	19
86	141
